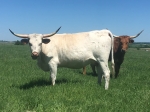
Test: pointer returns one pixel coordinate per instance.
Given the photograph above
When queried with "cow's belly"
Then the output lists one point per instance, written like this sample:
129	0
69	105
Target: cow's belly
75	64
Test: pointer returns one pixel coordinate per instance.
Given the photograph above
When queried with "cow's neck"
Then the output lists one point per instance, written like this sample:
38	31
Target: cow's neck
119	53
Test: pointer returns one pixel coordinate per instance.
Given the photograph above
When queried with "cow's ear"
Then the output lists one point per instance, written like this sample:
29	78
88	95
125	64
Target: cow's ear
131	41
45	41
24	41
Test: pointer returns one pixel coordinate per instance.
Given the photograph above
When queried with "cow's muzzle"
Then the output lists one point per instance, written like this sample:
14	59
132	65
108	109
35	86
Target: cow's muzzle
34	55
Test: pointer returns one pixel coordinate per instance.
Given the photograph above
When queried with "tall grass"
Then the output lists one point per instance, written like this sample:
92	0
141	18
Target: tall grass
24	87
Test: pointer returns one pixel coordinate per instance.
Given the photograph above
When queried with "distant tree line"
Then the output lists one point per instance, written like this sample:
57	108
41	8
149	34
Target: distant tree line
140	45
22	42
18	42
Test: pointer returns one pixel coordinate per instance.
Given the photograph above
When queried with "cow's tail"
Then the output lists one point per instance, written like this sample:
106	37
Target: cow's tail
112	55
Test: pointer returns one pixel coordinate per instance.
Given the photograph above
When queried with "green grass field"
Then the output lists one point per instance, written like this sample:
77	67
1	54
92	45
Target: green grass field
24	87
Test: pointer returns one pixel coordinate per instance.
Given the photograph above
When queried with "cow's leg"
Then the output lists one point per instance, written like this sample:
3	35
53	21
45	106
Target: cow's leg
100	74
93	68
84	70
106	72
117	68
53	72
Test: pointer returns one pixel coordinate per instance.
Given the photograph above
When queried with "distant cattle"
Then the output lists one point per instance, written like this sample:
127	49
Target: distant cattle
120	47
72	51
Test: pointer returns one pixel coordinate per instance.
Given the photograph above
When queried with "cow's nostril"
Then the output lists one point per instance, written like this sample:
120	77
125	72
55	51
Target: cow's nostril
35	53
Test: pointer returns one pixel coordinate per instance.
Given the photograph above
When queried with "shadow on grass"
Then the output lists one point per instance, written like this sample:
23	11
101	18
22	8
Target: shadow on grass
43	82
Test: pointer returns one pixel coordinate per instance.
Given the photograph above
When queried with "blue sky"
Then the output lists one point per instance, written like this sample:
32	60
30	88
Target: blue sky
121	17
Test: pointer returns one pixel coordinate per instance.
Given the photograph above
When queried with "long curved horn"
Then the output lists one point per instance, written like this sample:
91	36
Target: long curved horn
19	35
49	35
136	35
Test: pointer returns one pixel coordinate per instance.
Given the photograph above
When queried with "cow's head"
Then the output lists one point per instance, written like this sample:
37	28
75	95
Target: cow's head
35	41
125	40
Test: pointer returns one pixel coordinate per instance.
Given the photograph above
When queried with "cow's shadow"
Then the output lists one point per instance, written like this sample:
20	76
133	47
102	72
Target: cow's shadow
43	82
40	82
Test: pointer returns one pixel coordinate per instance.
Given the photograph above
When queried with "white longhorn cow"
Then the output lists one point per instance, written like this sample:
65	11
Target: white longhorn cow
72	51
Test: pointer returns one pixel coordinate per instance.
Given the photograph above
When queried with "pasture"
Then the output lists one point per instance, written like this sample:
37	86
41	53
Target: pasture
24	87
